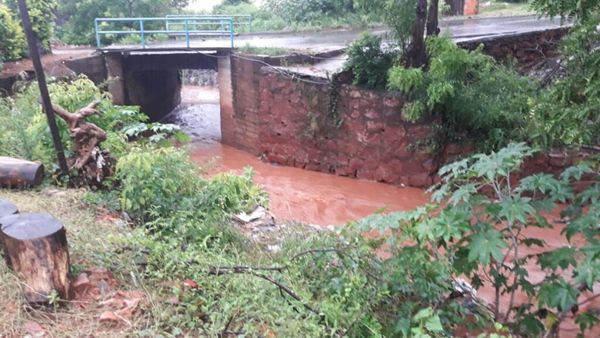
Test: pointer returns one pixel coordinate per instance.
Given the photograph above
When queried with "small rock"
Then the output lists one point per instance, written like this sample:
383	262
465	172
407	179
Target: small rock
109	316
82	281
190	284
274	248
34	329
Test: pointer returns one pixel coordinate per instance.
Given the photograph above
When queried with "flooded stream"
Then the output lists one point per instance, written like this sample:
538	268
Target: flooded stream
296	194
319	198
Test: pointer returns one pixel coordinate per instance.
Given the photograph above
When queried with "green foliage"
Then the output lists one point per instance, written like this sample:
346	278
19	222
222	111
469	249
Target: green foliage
369	62
308	10
233	193
398	15
76	17
156	180
579	10
12	38
159	182
568	112
483	221
41	13
28	136
472	95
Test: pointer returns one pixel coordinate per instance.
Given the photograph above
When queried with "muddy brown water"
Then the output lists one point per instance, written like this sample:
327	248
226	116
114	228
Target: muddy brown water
295	194
324	199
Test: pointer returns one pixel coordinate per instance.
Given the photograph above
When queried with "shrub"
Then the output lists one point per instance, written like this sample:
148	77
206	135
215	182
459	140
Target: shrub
471	94
568	112
156	181
41	13
12	38
368	62
482	220
230	193
29	137
308	10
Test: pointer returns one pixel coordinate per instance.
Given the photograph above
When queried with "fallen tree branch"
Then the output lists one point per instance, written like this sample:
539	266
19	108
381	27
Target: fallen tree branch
89	158
282	288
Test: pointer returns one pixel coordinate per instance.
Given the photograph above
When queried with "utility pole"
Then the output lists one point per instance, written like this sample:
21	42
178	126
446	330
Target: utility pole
34	54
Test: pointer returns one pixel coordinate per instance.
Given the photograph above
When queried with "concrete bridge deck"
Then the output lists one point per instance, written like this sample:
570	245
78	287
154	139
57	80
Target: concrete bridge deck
459	29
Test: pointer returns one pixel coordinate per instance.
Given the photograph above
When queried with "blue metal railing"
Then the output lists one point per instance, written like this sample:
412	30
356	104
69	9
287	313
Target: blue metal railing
244	22
145	27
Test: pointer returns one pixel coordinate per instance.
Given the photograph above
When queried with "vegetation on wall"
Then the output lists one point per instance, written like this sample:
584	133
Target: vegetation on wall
369	62
474	97
568	113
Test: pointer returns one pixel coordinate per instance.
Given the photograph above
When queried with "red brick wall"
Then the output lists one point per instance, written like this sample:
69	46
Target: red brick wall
526	48
289	122
239	107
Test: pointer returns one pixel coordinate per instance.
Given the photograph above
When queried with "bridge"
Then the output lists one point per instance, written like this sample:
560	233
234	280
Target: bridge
142	57
154	32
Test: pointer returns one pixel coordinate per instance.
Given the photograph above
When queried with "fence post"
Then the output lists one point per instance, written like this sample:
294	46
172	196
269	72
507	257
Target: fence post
142	33
34	53
98	43
231	30
187	33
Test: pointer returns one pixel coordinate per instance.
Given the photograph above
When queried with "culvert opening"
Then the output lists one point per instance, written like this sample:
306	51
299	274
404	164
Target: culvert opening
199	113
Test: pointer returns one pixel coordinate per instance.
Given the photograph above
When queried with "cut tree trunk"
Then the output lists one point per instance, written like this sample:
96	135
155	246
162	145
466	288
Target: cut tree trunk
16	173
36	246
6	209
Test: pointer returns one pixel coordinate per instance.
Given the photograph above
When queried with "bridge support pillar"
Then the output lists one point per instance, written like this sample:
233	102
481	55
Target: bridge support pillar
116	77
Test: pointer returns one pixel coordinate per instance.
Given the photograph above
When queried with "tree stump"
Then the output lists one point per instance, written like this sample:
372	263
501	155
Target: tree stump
6	209
36	246
16	173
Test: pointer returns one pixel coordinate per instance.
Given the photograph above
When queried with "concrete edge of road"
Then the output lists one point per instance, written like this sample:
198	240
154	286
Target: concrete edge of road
382	26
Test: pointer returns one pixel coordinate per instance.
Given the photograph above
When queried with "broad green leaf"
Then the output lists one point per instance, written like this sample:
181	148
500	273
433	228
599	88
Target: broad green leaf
575	172
486	244
562	257
558	295
516	209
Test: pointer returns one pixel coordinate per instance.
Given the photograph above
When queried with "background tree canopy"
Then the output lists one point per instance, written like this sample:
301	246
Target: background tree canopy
76	17
12	39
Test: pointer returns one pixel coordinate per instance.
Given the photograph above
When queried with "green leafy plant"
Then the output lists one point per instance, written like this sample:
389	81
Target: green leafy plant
472	96
12	38
156	180
568	112
41	13
369	62
27	134
482	227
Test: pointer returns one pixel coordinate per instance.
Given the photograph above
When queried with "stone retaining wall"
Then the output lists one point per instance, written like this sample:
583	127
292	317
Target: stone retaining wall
526	48
348	131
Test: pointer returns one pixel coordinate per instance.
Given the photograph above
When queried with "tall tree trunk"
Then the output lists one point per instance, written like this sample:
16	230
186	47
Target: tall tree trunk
433	28
417	55
457	7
